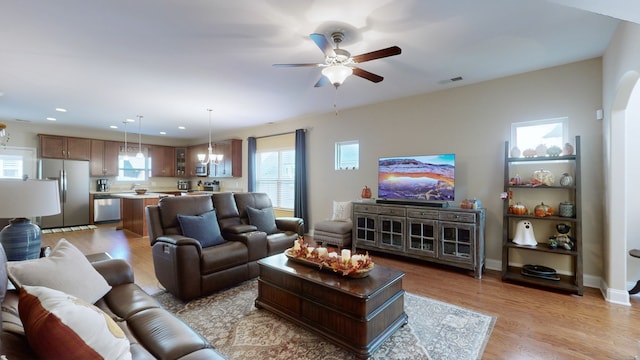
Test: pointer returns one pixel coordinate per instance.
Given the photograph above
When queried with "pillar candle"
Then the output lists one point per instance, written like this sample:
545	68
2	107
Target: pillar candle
346	255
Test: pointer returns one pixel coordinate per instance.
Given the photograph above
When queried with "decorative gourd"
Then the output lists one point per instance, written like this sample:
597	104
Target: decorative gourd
543	210
519	209
542	177
366	193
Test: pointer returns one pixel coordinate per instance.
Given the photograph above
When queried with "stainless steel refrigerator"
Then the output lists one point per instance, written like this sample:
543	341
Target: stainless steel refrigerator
73	183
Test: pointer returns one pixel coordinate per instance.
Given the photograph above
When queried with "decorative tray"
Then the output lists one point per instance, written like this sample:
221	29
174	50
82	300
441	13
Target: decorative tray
331	264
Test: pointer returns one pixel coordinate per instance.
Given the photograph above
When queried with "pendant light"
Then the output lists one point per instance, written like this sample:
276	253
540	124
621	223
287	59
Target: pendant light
126	147
212	158
139	155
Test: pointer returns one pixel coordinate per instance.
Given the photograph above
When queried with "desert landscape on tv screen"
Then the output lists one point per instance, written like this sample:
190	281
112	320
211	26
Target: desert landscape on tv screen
419	178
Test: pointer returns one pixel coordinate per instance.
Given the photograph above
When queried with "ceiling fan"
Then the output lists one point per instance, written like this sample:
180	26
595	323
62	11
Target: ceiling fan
339	63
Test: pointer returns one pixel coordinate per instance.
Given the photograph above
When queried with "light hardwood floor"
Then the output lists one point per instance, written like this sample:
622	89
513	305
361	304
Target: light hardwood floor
531	323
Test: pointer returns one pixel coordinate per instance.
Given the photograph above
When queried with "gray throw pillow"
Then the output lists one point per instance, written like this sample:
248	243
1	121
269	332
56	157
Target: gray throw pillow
263	219
203	227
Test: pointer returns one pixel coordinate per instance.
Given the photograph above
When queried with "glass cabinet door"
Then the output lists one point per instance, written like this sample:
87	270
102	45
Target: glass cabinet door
392	232
365	229
422	237
456	241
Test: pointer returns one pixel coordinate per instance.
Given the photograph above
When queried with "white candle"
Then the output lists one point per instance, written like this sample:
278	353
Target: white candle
346	255
322	252
296	245
309	251
355	259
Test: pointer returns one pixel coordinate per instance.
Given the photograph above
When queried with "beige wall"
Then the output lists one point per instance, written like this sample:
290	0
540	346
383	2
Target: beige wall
621	74
471	121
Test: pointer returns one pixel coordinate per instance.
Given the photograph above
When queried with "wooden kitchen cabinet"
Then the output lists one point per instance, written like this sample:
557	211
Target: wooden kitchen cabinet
104	157
192	157
63	147
231	165
163	160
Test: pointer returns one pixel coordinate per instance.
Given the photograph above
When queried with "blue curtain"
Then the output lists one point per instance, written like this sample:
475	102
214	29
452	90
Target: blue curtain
251	164
300	182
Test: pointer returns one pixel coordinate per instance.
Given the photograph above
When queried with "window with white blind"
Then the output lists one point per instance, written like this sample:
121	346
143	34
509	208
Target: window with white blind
275	169
275	175
16	162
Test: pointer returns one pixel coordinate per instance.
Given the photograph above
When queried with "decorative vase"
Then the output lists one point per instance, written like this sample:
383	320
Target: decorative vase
566	209
515	152
566	180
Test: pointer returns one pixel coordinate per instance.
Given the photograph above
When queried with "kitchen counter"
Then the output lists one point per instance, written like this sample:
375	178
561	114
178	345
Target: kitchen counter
148	195
133	206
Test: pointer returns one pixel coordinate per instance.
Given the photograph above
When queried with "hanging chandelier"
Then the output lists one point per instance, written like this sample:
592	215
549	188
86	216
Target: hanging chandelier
212	158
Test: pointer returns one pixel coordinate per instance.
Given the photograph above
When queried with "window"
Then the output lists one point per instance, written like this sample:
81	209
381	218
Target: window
347	155
530	134
132	168
275	175
15	162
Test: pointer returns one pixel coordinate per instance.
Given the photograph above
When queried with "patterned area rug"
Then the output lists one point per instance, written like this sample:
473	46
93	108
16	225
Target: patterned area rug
234	326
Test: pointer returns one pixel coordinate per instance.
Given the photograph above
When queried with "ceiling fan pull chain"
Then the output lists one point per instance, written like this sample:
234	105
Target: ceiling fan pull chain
335	101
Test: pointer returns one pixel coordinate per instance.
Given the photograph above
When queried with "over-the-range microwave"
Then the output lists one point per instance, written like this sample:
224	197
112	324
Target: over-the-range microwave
201	170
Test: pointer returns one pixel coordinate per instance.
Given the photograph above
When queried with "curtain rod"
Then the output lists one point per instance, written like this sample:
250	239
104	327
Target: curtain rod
279	134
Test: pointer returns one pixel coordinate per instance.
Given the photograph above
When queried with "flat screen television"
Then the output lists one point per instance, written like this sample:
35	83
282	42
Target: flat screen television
417	178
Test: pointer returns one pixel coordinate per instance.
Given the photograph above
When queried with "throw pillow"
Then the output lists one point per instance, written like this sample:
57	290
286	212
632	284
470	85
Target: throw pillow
263	219
66	269
203	227
61	326
341	211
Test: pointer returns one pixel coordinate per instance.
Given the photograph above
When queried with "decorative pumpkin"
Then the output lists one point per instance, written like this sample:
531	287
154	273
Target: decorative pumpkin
541	150
567	149
366	193
554	150
542	177
519	209
529	153
543	210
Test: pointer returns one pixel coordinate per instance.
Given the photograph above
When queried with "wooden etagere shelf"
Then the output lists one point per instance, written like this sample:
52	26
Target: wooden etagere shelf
572	282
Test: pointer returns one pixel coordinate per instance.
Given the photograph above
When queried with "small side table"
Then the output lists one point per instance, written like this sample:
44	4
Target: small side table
636	289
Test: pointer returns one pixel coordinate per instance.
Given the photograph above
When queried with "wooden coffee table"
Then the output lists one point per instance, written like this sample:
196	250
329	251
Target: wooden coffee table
357	314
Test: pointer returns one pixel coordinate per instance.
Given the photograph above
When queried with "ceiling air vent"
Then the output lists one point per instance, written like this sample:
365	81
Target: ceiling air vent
447	81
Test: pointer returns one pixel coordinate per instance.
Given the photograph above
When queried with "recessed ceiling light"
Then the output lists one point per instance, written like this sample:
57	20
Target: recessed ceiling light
61	109
113	126
51	119
129	120
163	133
181	127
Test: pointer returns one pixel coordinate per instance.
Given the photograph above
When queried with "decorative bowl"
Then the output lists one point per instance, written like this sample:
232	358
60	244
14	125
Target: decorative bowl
140	191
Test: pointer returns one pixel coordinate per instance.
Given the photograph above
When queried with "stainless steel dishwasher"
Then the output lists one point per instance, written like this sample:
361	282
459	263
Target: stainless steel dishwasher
106	208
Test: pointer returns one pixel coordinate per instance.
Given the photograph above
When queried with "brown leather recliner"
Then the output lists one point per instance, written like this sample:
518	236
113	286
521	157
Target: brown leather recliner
183	266
231	209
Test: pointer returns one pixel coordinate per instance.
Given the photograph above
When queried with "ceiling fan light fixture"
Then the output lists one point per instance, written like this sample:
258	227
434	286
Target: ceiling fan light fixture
337	74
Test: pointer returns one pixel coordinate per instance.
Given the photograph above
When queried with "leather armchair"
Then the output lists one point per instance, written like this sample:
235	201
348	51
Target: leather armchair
183	266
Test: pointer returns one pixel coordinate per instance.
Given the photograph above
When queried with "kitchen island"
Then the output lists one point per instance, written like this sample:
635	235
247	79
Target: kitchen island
132	212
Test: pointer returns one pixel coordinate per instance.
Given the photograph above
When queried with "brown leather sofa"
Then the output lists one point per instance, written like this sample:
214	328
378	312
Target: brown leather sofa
186	269
153	332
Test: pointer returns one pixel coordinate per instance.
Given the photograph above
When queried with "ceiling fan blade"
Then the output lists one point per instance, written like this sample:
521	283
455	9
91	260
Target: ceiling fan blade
322	81
297	65
323	44
367	75
390	51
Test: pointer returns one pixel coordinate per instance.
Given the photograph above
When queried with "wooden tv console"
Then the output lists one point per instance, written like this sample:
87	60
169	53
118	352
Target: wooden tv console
450	236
